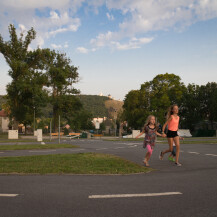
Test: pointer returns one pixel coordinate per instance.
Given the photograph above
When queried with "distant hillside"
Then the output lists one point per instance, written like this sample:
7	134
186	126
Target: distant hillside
100	106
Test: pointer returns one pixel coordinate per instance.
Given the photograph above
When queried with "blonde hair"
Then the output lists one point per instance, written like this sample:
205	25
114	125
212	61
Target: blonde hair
148	121
170	111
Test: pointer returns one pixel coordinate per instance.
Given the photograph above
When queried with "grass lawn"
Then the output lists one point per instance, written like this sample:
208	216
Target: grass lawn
35	146
82	163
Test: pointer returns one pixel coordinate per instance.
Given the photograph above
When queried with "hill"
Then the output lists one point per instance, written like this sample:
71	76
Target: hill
100	106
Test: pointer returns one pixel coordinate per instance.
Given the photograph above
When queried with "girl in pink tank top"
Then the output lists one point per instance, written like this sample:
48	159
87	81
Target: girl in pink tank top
172	136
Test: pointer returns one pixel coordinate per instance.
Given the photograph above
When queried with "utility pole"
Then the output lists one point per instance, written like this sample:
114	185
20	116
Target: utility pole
59	129
50	130
34	120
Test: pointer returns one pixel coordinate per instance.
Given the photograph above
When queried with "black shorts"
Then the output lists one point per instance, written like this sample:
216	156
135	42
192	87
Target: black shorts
171	134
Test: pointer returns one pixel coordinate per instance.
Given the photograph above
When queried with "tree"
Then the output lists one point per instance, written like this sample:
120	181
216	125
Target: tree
165	90
135	110
209	102
154	97
191	110
25	91
61	76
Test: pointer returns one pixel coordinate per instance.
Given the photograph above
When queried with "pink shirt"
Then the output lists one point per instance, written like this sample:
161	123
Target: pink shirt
173	124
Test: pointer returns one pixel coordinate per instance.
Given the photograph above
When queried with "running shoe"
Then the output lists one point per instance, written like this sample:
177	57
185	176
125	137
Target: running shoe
161	155
178	164
170	158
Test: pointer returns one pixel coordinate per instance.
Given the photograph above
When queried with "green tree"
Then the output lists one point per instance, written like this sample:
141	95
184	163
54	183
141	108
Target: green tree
135	110
209	102
25	91
191	110
154	97
61	76
165	90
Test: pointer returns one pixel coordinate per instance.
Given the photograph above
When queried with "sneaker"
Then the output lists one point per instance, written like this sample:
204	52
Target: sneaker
170	158
161	155
173	159
178	164
147	164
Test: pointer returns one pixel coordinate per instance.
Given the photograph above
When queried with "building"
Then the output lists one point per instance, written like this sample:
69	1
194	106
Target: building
4	121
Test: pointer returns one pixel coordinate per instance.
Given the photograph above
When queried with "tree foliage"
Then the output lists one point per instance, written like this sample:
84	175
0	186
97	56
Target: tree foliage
25	90
61	76
154	97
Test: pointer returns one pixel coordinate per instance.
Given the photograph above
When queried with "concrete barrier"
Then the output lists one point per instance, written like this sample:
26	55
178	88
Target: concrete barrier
184	133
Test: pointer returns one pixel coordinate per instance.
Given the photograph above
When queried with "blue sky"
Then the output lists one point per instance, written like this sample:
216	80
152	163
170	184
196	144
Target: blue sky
118	45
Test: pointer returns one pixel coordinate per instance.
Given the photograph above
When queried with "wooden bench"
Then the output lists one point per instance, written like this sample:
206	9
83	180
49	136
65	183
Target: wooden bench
74	134
97	135
57	134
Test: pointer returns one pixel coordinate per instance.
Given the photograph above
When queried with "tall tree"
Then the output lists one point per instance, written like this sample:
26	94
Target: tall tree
61	76
154	97
25	92
191	110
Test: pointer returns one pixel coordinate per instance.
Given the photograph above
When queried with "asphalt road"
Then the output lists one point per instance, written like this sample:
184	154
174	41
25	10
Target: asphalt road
69	195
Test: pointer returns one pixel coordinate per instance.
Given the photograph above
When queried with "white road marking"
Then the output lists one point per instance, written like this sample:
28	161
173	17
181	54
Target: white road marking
192	152
119	147
211	155
132	195
44	151
101	148
77	150
120	143
132	146
8	195
181	151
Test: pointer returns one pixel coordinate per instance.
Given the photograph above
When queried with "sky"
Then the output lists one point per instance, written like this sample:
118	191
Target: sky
120	44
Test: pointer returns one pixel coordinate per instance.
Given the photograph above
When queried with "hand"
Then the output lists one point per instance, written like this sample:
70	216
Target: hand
163	135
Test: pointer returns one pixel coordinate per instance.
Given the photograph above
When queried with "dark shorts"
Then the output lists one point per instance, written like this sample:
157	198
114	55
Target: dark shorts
171	134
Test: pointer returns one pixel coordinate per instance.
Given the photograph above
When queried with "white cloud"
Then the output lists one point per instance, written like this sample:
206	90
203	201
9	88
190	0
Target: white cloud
133	43
82	50
110	16
55	46
139	17
66	45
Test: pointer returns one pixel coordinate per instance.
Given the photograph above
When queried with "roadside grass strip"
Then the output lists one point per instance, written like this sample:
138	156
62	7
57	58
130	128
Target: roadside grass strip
36	146
81	163
132	195
20	140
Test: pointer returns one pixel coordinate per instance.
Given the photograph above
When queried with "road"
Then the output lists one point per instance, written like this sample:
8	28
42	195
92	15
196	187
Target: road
195	185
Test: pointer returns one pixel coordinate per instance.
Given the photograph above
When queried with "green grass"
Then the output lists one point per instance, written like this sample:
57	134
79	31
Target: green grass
82	163
36	146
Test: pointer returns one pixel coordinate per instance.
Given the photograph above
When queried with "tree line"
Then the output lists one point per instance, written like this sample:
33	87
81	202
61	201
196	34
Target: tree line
40	77
197	103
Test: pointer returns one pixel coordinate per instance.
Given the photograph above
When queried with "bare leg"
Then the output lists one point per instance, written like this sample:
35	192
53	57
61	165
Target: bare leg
177	143
170	142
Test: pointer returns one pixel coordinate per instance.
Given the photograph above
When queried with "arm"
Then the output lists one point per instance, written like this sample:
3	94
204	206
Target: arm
164	126
140	134
158	134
